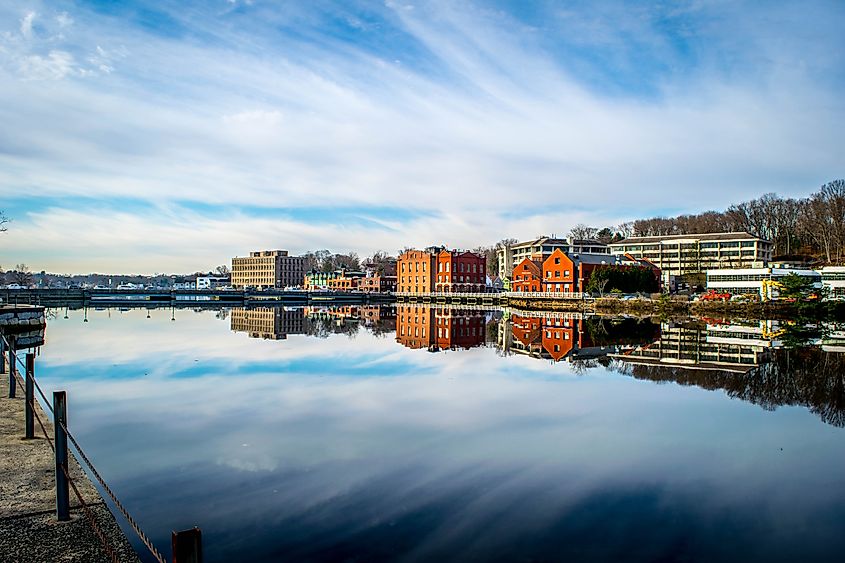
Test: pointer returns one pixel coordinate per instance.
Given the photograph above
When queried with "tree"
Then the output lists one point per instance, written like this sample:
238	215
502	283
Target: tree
223	270
21	275
3	222
605	235
582	231
796	287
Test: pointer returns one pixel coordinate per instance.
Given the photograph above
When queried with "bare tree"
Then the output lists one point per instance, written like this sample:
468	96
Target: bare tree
21	275
3	222
582	231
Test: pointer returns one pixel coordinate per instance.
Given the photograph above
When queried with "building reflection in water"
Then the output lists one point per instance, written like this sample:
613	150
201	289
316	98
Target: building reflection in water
440	328
768	363
276	323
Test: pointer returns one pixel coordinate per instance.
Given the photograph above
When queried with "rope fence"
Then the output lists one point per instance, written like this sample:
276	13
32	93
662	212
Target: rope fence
106	544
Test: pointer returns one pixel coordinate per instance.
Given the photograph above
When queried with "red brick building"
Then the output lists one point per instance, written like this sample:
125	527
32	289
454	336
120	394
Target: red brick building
564	273
378	284
460	272
527	276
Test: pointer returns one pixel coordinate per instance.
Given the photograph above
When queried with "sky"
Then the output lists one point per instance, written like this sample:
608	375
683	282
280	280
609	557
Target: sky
169	136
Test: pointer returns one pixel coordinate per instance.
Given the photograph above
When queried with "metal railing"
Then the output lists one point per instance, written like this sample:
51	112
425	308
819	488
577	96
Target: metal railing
186	544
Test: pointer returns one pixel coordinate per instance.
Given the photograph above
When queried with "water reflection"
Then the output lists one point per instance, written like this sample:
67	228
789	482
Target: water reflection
331	434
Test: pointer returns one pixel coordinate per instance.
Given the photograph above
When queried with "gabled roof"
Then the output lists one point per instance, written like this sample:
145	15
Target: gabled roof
534	266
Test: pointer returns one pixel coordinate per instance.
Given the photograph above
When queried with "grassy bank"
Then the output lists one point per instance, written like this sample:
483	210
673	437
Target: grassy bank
666	307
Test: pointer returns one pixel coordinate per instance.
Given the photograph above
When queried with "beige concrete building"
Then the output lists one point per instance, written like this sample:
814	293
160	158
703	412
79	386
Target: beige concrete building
677	255
268	269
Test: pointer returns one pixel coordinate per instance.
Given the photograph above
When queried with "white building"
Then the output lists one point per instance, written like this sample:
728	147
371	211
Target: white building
677	255
762	281
833	278
211	282
185	284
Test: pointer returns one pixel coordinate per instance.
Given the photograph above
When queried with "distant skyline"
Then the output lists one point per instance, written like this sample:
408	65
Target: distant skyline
142	137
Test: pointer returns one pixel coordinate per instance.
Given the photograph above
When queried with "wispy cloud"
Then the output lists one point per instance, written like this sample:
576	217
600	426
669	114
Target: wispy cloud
494	122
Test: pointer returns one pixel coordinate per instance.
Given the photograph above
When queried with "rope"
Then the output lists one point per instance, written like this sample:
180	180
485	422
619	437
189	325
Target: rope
86	509
143	537
89	515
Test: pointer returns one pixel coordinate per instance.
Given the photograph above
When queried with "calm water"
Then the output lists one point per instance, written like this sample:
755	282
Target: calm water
419	435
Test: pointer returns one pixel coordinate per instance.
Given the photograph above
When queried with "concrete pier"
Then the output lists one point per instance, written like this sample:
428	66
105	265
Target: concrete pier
29	530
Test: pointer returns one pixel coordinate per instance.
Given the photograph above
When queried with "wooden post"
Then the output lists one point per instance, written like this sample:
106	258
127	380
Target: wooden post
2	355
12	384
187	546
30	396
60	419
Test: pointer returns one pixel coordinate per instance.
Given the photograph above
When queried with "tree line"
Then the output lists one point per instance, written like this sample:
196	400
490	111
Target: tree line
814	225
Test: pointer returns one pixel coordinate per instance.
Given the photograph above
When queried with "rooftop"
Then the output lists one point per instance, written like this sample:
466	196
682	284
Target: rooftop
698	236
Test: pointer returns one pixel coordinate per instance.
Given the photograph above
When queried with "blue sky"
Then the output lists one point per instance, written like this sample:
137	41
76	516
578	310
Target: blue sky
170	136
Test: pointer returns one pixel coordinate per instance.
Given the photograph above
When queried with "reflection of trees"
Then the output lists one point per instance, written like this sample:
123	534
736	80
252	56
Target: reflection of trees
807	377
607	332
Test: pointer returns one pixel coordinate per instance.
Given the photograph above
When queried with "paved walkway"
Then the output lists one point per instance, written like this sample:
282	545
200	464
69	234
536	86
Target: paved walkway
29	531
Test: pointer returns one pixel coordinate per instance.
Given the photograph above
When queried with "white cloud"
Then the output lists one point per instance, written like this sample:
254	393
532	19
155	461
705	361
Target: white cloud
26	24
55	66
64	20
500	139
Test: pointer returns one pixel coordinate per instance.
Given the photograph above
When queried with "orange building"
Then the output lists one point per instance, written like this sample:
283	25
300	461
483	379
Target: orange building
559	273
564	273
415	271
347	281
527	276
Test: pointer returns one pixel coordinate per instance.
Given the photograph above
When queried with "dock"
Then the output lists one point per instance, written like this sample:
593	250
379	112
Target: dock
29	529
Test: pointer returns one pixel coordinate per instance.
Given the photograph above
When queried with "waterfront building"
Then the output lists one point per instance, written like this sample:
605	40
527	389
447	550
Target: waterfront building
268	269
569	273
316	279
346	281
527	276
833	279
212	282
460	272
378	283
415	271
678	255
184	283
540	249
760	281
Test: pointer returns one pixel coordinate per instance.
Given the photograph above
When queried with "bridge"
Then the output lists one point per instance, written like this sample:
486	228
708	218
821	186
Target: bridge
185	297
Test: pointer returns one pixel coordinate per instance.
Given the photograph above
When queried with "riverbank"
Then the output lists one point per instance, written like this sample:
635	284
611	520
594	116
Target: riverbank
665	307
29	530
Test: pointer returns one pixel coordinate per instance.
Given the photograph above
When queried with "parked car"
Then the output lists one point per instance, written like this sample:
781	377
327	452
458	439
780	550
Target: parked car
15	286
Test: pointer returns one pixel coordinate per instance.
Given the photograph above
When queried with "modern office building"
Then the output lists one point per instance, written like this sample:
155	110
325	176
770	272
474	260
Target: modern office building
540	249
677	255
833	278
268	269
761	281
